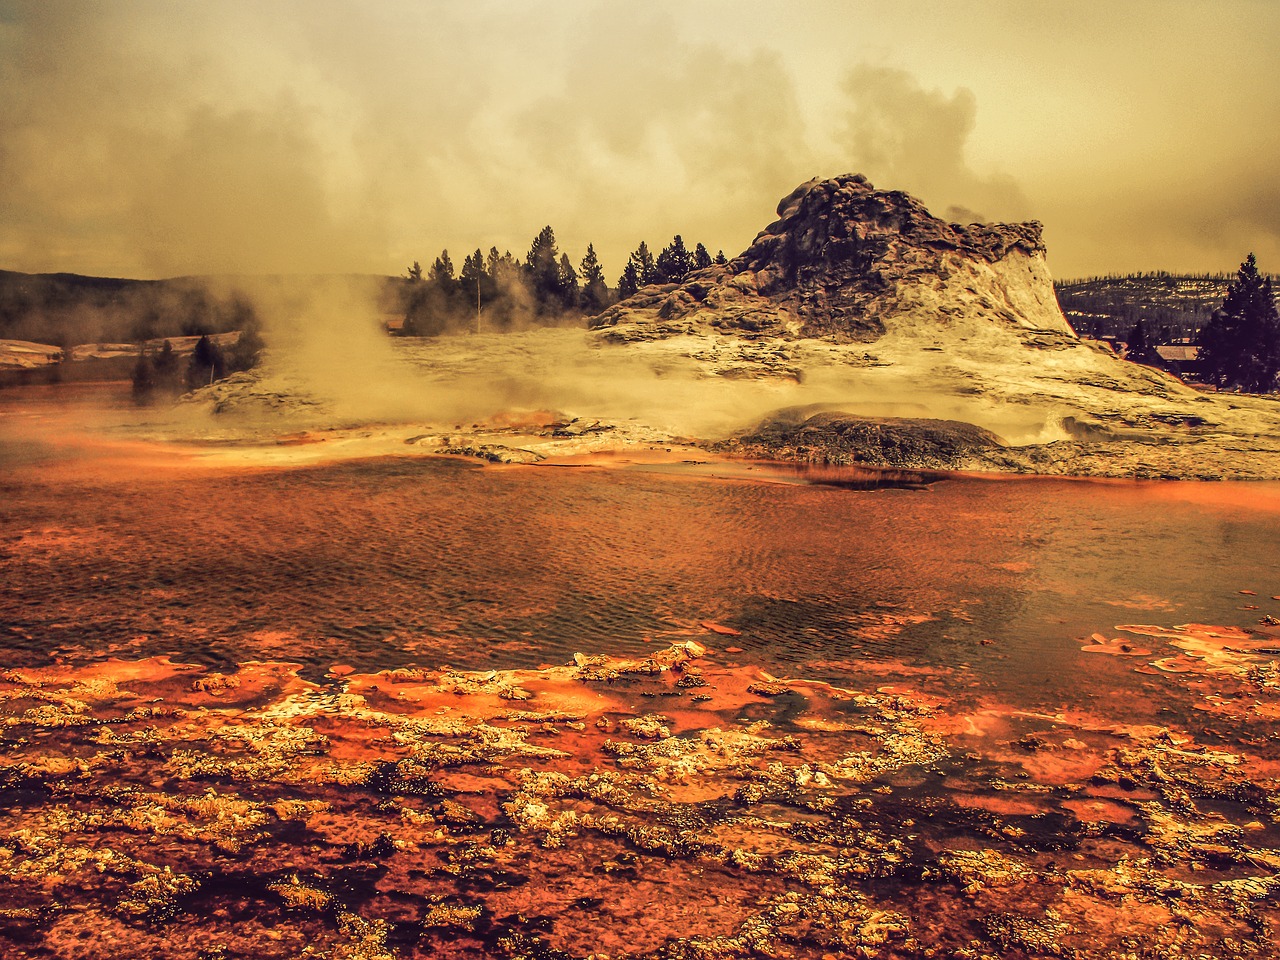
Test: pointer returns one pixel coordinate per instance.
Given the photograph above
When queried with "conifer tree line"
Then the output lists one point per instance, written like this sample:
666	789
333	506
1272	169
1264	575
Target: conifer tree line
1240	345
164	372
496	291
53	308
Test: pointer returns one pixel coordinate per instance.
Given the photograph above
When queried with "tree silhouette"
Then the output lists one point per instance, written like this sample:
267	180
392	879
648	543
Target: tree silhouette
478	286
645	269
629	282
701	259
569	289
206	364
430	305
1139	347
246	351
442	271
542	263
143	377
472	270
673	263
165	366
1240	345
595	292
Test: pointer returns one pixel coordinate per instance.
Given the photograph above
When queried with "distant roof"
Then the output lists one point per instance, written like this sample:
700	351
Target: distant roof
1178	353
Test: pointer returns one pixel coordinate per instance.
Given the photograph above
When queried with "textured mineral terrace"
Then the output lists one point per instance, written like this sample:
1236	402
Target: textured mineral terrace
680	805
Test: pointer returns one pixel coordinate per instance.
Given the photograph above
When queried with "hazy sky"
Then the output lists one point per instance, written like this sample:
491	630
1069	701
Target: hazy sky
158	138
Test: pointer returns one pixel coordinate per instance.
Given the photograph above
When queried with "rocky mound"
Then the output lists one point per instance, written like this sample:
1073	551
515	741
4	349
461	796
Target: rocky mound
833	437
930	339
844	258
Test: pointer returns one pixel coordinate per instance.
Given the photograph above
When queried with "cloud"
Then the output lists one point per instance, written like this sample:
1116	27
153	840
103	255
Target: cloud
905	137
668	136
1206	218
288	138
153	138
133	156
237	190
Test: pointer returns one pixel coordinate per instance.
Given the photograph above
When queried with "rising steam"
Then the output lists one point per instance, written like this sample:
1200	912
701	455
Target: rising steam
328	345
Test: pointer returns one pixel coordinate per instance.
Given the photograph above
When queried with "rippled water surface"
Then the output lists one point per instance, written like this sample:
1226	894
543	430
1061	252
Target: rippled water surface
385	562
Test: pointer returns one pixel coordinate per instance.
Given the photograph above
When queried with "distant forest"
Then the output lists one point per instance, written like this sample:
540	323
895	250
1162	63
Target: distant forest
67	309
498	292
1171	307
493	292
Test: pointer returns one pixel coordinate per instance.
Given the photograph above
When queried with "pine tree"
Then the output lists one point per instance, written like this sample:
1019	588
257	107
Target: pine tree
595	291
701	259
629	282
1138	348
472	281
247	350
472	270
673	263
569	289
509	286
720	259
646	270
442	271
431	307
414	274
542	263
1240	345
505	270
165	366
143	377
206	364
166	361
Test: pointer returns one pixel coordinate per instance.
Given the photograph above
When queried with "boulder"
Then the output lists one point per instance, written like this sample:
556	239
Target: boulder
836	437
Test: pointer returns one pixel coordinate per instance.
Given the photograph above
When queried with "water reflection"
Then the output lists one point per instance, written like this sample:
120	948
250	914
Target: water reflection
387	562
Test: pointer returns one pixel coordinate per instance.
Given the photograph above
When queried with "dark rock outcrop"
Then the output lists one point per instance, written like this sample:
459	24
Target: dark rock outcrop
843	259
833	437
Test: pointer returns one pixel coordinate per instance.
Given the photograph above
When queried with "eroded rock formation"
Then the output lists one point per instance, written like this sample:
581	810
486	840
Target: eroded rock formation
833	437
844	258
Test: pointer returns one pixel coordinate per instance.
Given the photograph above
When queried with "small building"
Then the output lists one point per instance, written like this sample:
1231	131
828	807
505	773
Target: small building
1182	360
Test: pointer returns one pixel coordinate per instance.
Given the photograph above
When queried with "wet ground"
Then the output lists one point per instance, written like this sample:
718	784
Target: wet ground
417	707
